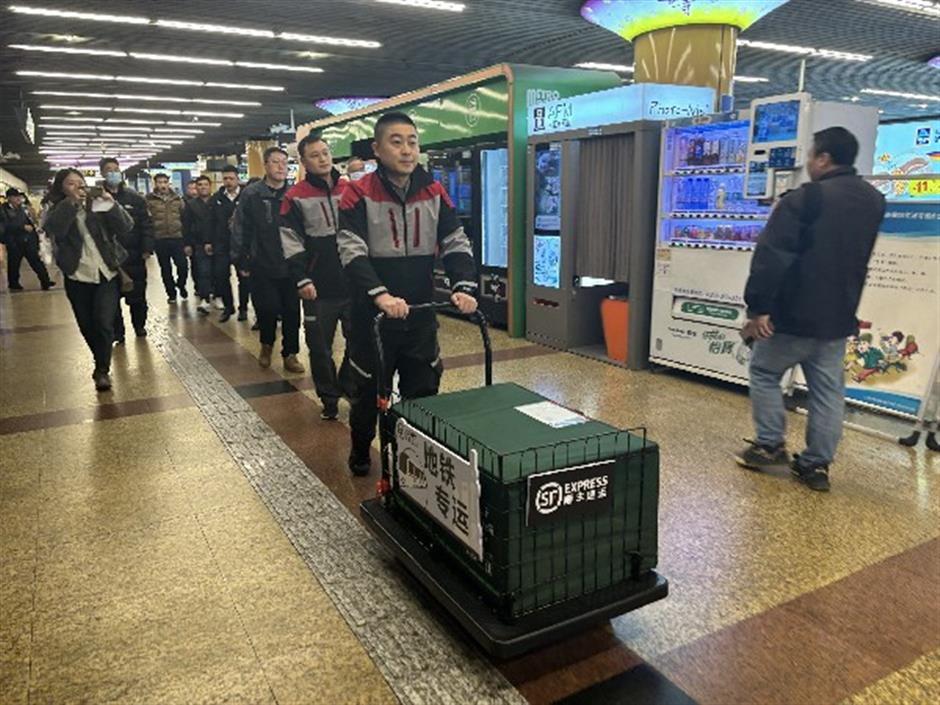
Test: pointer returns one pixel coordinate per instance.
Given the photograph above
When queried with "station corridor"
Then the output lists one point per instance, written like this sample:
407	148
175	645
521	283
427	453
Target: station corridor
192	536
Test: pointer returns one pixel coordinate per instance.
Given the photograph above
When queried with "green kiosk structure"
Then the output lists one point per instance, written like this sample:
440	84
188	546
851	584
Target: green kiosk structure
474	129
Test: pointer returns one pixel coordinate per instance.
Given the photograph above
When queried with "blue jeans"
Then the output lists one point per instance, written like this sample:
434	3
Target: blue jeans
821	361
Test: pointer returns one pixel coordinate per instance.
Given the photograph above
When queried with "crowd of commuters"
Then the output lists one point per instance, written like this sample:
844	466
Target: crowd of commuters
314	249
338	249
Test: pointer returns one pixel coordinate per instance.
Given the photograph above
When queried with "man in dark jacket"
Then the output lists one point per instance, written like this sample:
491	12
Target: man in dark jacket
393	222
310	210
807	276
224	203
256	246
18	233
197	234
138	243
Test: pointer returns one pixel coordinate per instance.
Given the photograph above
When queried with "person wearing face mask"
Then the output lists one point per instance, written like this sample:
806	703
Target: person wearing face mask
256	247
87	233
138	243
166	211
19	233
309	241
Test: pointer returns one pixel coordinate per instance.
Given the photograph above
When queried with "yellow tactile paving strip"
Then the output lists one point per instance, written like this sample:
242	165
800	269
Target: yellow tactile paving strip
157	575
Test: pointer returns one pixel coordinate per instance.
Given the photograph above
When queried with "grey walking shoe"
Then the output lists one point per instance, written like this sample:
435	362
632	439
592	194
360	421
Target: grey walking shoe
755	456
814	477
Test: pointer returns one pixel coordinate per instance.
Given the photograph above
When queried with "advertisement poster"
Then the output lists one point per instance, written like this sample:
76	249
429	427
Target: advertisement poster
908	149
888	364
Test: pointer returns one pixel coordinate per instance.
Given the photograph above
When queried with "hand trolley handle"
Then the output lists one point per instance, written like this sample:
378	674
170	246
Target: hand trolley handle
384	388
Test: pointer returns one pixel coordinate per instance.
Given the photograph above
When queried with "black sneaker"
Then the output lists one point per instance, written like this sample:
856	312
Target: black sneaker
330	410
48	285
226	315
183	293
243	315
16	287
755	456
816	478
171	300
102	381
119	340
141	332
359	463
256	326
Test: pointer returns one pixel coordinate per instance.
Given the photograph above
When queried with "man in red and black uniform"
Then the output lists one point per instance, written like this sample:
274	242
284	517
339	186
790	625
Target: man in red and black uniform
310	210
392	223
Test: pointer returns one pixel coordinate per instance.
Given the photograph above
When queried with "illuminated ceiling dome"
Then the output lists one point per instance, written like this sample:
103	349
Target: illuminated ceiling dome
631	18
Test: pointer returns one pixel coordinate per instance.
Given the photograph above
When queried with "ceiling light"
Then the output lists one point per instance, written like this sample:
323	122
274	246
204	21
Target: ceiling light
216	28
333	41
277	67
147	80
181	59
428	4
920	7
804	51
66	50
899	94
751	79
92	108
153	98
200	123
68	14
599	66
200	113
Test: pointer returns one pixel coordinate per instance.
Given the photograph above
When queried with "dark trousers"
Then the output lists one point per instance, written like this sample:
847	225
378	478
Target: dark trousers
94	306
273	298
138	307
19	248
414	354
320	319
222	278
169	253
244	293
202	272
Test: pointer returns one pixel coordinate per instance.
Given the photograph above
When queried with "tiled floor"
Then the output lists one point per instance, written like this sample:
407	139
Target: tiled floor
140	561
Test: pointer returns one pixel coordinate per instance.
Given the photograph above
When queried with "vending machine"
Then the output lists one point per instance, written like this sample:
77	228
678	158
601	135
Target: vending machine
477	182
719	176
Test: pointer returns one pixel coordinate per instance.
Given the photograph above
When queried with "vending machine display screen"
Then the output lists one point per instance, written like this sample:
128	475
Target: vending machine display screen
494	176
547	261
548	187
776	122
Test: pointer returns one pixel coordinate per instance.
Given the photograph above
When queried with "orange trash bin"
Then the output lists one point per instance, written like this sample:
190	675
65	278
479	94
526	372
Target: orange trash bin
615	315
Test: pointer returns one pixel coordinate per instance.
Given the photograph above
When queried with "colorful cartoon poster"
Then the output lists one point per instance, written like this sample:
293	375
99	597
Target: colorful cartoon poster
908	149
888	364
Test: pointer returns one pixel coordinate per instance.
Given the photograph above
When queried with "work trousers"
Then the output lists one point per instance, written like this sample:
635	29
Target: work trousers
413	353
320	319
275	297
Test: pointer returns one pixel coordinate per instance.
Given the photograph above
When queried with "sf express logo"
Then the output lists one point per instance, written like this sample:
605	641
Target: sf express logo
552	496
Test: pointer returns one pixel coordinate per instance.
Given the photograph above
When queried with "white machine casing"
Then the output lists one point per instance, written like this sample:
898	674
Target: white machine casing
698	290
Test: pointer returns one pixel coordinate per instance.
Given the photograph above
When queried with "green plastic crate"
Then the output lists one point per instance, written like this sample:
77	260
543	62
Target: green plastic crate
526	568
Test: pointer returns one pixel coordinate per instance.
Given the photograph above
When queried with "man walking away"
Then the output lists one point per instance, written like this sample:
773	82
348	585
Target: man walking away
806	280
393	222
197	233
310	210
19	233
223	208
256	246
138	243
166	212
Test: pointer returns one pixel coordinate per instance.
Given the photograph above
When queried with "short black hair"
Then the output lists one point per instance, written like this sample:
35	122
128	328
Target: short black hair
271	150
107	160
230	169
202	178
312	138
838	143
389	119
161	175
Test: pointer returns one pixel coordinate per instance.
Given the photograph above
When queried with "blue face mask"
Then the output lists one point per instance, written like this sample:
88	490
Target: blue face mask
113	178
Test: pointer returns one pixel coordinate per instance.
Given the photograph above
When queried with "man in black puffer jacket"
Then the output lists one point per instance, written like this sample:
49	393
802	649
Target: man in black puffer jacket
806	280
139	244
